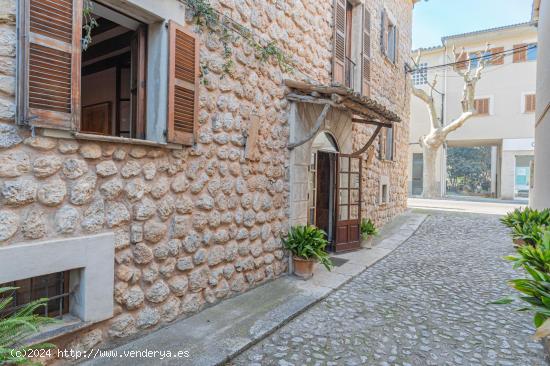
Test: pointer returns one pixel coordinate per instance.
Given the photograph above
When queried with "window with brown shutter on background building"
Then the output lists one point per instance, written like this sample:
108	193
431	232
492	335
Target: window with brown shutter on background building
530	103
520	53
461	61
482	106
497	56
366	52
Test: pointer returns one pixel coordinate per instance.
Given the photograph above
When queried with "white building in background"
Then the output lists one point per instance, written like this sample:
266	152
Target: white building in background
505	100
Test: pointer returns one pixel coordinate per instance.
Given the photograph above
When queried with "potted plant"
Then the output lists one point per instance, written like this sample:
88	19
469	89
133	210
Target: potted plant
307	245
368	231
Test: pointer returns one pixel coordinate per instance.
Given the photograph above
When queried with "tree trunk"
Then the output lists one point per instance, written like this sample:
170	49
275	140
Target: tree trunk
431	189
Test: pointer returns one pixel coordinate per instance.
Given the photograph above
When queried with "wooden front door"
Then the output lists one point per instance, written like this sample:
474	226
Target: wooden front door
348	203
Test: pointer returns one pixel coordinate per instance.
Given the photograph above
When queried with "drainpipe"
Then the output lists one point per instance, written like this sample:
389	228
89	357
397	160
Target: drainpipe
444	122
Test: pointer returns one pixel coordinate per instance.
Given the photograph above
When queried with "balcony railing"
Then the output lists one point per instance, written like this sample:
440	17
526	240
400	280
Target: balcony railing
350	73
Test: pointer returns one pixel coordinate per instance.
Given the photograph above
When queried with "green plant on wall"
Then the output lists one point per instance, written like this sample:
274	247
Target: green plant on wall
88	24
227	31
16	327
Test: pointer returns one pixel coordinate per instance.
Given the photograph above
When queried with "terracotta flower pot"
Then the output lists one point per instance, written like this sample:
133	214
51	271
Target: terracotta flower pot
303	268
367	243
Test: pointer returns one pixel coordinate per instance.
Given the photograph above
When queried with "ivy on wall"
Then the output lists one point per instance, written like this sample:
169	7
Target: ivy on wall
228	31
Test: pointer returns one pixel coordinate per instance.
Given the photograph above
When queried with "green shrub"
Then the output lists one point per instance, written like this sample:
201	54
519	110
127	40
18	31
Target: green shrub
17	326
521	216
530	233
308	242
367	228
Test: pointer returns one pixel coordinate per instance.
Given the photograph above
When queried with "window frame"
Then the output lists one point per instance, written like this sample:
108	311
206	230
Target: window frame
524	102
489	106
532	49
420	75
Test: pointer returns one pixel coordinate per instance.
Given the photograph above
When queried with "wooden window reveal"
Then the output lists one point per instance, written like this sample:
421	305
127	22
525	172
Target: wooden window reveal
530	103
49	63
497	56
481	106
183	85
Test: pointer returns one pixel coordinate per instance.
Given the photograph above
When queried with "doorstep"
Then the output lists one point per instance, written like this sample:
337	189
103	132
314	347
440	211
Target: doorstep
219	333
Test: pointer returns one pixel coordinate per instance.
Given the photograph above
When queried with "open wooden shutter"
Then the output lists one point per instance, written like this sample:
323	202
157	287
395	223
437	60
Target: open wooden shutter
396	45
339	46
383	33
183	85
520	52
50	35
462	61
366	53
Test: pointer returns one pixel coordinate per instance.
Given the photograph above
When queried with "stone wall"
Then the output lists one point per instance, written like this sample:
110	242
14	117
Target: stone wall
194	225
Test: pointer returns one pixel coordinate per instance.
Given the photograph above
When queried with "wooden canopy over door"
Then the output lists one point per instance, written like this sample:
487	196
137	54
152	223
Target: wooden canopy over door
348	203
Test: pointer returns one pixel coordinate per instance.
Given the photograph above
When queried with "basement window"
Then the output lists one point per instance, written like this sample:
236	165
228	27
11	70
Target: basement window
54	286
113	76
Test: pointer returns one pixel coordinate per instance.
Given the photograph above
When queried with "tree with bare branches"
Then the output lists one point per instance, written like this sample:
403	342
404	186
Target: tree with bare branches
438	133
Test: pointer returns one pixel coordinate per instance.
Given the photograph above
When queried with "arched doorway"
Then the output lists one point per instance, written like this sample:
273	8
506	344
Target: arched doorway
322	182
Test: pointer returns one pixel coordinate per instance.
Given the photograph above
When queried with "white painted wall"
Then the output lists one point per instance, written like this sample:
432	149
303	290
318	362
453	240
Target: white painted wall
541	189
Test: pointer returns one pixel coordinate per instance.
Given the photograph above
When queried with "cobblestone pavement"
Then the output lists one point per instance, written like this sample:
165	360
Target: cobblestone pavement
424	304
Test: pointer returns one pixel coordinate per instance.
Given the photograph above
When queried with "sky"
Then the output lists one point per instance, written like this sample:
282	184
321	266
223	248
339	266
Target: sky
434	19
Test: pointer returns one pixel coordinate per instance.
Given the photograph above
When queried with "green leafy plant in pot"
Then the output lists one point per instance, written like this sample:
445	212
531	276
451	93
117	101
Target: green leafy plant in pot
368	231
307	245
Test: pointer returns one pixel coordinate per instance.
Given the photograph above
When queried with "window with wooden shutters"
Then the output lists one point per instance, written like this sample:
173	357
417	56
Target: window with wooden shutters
183	81
49	63
366	52
462	61
482	106
520	53
497	56
530	103
383	33
339	46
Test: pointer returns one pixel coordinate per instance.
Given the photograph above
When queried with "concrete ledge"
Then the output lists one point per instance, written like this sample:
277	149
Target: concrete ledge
218	334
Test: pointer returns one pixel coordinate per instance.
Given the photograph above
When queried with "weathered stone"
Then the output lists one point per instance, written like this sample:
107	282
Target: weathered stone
184	205
174	246
180	226
46	166
136	232
52	193
237	283
135	190
74	168
198	279
83	189
199	221
142	253
134	298
130	169
138	152
111	189
151	273
222	290
200	256
185	263
41	143
192	303
165	208
9	223
90	151
119	154
85	343
13	164
144	210
178	285
122	326
180	184
205	203
19	192
149	170
216	255
158	292
122	238
167	267
66	219
9	136
116	214
33	226
244	264
170	309
154	231
94	216
147	317
160	188
106	168
67	147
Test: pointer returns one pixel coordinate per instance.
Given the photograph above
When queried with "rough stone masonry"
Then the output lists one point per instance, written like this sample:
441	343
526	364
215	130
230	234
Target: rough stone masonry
194	225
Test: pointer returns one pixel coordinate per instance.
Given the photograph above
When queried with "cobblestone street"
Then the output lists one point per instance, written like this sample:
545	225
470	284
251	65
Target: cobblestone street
424	304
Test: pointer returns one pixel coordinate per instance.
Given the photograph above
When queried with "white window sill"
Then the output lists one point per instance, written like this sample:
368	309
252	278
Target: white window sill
49	132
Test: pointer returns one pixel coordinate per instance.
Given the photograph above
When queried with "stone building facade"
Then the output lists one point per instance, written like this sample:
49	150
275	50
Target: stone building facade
148	231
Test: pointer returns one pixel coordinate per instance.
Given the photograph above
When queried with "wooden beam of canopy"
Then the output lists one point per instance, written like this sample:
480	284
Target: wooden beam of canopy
369	143
314	130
